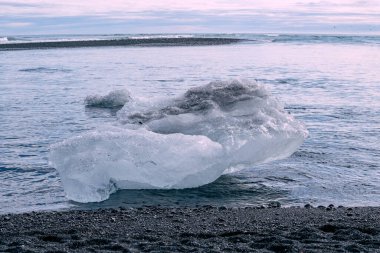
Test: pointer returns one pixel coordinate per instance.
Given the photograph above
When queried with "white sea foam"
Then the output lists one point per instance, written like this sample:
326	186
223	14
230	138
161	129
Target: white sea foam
186	142
4	40
113	99
159	36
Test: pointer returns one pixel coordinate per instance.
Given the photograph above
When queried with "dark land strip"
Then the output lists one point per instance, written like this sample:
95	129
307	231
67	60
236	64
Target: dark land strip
203	229
157	42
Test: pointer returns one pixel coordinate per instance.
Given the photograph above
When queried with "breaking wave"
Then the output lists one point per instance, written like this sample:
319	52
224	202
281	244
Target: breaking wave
4	39
180	143
8	39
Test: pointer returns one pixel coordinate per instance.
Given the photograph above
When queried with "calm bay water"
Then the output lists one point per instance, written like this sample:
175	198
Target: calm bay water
332	84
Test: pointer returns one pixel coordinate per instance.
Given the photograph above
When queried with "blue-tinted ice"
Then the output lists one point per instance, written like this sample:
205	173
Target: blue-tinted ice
179	143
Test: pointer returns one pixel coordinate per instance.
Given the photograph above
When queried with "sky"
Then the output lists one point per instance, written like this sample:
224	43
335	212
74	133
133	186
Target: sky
28	17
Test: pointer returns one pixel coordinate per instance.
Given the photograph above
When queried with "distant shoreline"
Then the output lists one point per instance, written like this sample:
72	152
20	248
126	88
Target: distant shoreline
205	229
153	42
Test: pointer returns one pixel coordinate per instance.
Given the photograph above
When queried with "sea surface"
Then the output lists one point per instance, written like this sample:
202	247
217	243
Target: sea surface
330	83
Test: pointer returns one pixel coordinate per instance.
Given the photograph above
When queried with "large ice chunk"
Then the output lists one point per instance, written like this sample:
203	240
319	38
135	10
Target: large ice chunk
185	142
94	165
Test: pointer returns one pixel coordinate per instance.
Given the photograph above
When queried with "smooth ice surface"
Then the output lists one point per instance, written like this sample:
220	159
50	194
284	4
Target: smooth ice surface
94	165
113	99
180	143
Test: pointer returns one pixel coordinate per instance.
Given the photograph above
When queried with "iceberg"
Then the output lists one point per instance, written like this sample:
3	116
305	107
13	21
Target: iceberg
179	143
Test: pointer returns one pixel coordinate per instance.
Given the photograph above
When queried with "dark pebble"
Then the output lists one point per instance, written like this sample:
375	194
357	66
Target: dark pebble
75	237
274	204
308	206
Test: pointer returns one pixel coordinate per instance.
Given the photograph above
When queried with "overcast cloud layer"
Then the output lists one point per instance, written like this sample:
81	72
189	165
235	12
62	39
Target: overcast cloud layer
169	16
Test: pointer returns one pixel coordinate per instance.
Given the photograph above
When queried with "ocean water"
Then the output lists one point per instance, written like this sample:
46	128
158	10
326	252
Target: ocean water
330	83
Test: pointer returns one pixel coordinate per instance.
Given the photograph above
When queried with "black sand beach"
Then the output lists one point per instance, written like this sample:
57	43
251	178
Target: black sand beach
120	42
203	229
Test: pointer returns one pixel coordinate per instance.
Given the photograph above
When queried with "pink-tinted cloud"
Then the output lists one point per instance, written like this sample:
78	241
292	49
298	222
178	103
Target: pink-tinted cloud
195	15
100	7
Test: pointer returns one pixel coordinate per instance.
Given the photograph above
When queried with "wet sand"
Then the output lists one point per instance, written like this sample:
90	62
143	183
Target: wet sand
203	229
120	42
